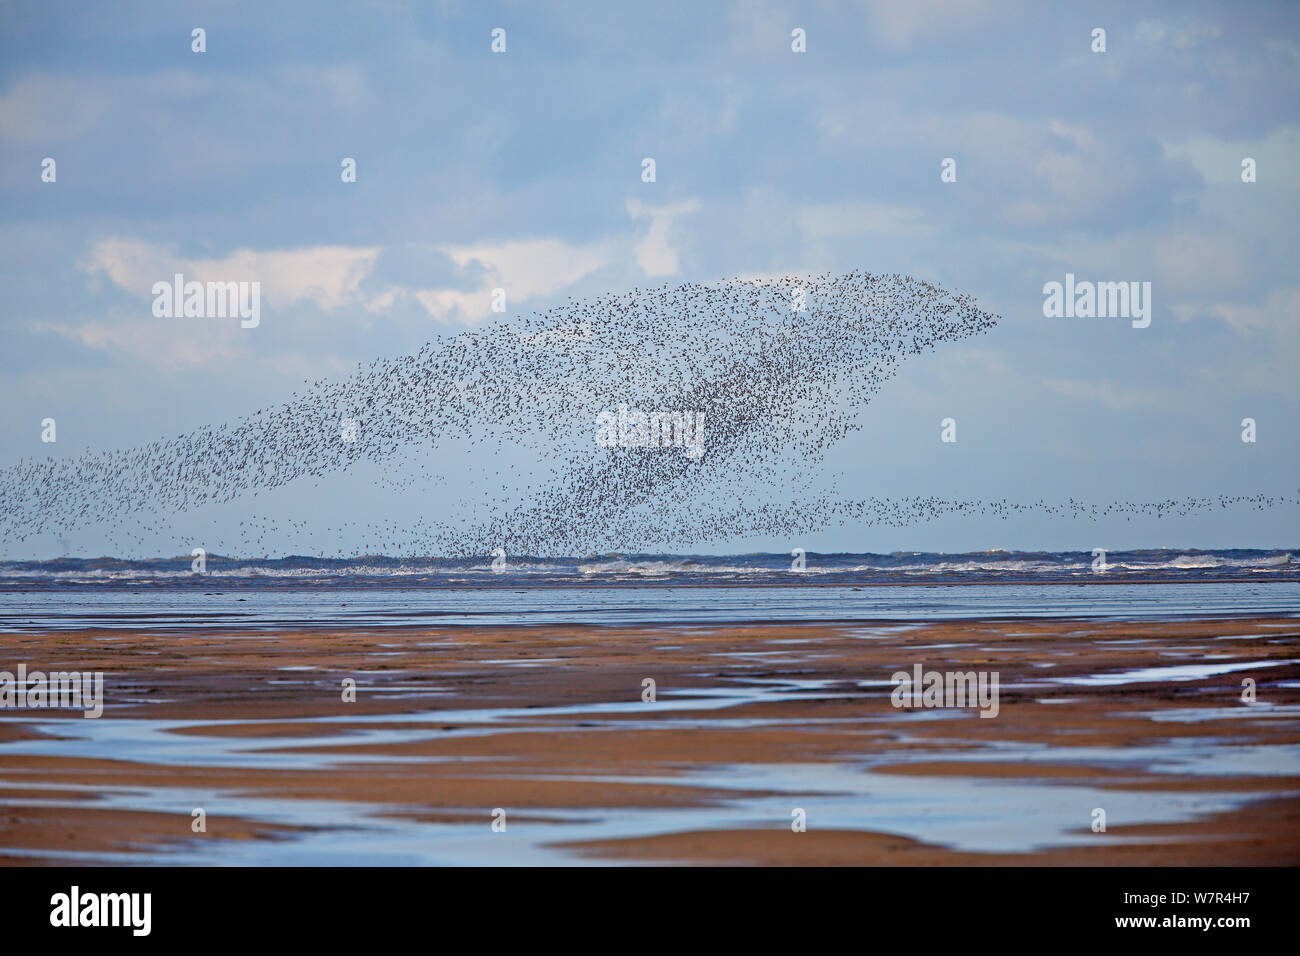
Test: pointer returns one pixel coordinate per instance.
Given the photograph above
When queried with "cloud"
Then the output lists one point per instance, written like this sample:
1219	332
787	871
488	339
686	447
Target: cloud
1079	178
1017	171
845	220
526	269
654	254
1279	313
446	304
1182	36
329	276
1116	396
1218	160
334	277
1193	264
1271	344
48	110
899	22
194	344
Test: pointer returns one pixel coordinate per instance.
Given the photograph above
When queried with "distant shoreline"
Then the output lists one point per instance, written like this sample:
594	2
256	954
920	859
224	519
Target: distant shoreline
255	584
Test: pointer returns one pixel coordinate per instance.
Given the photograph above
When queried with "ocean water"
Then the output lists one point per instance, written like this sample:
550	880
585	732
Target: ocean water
644	589
907	567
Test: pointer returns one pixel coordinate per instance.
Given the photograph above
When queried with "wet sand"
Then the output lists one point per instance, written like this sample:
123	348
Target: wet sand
750	724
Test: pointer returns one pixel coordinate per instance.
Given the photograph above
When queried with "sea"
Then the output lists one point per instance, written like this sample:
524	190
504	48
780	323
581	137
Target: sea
626	589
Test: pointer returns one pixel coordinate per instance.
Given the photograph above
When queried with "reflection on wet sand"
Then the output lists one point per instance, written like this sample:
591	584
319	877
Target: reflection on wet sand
748	723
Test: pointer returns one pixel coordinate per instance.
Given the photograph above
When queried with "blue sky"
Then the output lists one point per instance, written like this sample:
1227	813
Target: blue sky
522	170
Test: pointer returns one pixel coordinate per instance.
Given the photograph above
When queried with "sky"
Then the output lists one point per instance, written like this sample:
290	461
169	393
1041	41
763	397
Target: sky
523	170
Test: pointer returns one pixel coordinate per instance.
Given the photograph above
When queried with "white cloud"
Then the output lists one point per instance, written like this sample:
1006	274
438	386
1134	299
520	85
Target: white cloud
1182	36
1219	160
1116	396
1279	313
845	220
525	268
189	344
758	28
1272	332
329	276
48	110
1198	264
655	254
1081	136
899	22
445	304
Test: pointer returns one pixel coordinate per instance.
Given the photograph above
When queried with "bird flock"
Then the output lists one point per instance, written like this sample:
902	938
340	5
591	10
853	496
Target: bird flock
778	370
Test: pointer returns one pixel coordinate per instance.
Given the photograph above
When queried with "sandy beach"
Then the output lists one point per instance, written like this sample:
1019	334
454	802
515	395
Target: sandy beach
749	725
